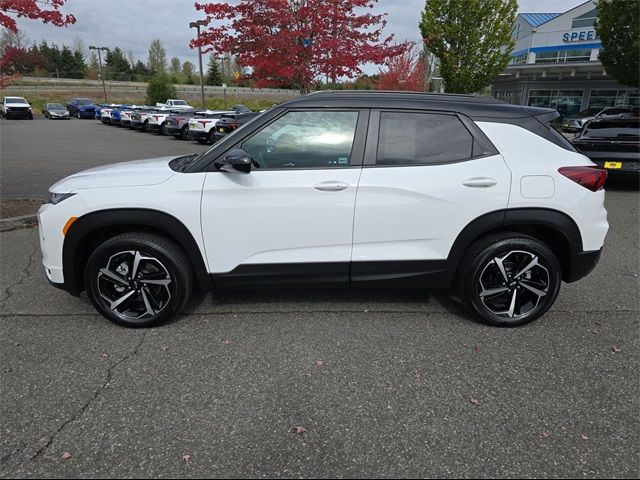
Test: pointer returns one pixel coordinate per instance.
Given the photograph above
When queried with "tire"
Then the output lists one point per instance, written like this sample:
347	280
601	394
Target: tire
145	127
519	295
147	303
78	115
212	137
184	133
163	130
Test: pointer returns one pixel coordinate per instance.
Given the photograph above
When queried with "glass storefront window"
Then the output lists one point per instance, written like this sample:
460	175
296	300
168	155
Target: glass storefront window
566	102
614	98
564	56
519	60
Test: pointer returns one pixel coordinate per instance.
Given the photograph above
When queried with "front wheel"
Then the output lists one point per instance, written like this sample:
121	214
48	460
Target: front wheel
509	279
138	279
184	133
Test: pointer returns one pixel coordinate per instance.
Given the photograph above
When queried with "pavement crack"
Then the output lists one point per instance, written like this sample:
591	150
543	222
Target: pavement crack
11	290
94	397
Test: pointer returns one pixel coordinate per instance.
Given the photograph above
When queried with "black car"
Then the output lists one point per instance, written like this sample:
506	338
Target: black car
241	109
229	123
55	111
613	143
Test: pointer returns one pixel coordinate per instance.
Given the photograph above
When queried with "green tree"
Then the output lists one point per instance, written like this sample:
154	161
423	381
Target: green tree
157	57
93	69
213	76
117	66
141	72
80	67
160	88
618	25
175	67
471	38
188	69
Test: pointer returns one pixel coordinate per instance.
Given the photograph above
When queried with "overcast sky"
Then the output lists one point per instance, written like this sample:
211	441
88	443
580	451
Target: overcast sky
132	24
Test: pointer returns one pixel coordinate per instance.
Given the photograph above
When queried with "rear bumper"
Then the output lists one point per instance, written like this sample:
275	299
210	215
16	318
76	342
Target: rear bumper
154	127
198	135
631	167
582	264
173	130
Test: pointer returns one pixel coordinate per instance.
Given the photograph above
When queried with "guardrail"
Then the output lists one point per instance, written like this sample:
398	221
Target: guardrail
37	84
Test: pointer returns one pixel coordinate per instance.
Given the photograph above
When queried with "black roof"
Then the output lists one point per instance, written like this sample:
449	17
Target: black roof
475	106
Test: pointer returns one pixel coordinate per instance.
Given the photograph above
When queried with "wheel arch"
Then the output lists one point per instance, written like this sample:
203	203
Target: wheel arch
554	228
95	227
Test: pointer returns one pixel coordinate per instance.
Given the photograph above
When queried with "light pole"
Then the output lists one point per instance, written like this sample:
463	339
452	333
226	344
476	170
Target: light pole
197	25
224	84
104	88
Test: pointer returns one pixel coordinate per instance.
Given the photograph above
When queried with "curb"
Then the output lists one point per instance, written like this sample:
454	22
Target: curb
14	223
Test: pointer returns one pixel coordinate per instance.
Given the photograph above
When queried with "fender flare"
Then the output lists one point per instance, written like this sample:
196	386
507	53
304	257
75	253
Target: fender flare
516	217
139	217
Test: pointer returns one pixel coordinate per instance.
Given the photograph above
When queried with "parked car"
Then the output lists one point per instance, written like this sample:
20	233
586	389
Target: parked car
202	125
125	115
156	121
241	109
140	119
177	124
574	123
452	190
114	114
175	104
105	113
228	124
16	107
81	107
613	143
55	111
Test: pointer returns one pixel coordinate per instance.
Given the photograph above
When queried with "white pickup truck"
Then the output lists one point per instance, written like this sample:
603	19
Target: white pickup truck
175	104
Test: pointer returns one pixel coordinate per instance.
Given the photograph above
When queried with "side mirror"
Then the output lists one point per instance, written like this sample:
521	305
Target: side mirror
236	161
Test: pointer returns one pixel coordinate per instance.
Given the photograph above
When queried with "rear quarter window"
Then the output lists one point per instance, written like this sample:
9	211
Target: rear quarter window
422	138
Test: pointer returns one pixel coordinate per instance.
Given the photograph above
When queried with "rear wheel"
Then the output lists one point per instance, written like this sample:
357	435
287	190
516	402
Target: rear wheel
163	129
145	127
509	279
184	133
212	137
138	279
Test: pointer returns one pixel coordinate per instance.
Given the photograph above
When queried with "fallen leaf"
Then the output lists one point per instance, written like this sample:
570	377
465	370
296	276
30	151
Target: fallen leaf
417	375
584	437
615	349
186	457
476	349
474	401
66	456
388	407
203	321
594	332
544	434
104	355
164	348
227	342
298	430
319	363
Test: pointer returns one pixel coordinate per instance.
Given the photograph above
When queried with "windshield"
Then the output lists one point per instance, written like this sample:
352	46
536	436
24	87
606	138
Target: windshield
83	101
15	100
591	111
55	106
179	102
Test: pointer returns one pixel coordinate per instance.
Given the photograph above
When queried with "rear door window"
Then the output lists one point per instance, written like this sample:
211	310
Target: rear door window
408	138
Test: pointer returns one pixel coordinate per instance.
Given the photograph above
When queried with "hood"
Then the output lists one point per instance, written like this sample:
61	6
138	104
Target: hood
126	174
20	104
87	107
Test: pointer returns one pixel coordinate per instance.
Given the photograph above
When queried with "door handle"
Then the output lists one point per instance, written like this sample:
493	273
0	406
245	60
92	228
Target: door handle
480	182
331	186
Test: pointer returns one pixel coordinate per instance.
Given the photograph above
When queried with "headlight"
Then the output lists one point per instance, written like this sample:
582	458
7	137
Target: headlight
59	197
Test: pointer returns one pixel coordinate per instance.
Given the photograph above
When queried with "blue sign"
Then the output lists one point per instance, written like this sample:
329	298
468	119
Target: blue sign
569	37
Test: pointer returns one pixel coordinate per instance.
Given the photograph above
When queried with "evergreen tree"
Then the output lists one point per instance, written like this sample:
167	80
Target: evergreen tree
79	67
160	89
213	76
175	68
471	38
117	66
141	71
618	25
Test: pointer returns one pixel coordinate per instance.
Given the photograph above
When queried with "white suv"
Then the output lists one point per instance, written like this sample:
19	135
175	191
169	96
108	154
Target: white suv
16	107
339	189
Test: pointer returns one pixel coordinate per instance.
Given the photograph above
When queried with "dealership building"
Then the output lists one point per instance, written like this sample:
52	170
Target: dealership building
555	64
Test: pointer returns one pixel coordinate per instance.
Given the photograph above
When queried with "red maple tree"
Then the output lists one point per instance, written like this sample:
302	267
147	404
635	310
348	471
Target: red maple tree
405	71
47	11
294	42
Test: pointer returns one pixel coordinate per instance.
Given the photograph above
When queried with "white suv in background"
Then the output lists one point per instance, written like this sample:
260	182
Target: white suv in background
16	107
339	189
201	125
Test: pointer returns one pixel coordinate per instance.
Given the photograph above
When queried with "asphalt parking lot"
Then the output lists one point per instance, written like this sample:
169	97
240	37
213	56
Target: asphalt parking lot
381	383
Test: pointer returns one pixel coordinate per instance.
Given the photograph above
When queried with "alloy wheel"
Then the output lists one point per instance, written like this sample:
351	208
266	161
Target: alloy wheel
513	285
134	285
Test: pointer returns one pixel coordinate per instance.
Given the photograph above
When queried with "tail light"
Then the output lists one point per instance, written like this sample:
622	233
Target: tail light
204	122
592	178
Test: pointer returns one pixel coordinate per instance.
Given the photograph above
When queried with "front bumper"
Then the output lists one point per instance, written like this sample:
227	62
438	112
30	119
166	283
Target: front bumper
136	124
89	114
59	117
19	114
125	123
